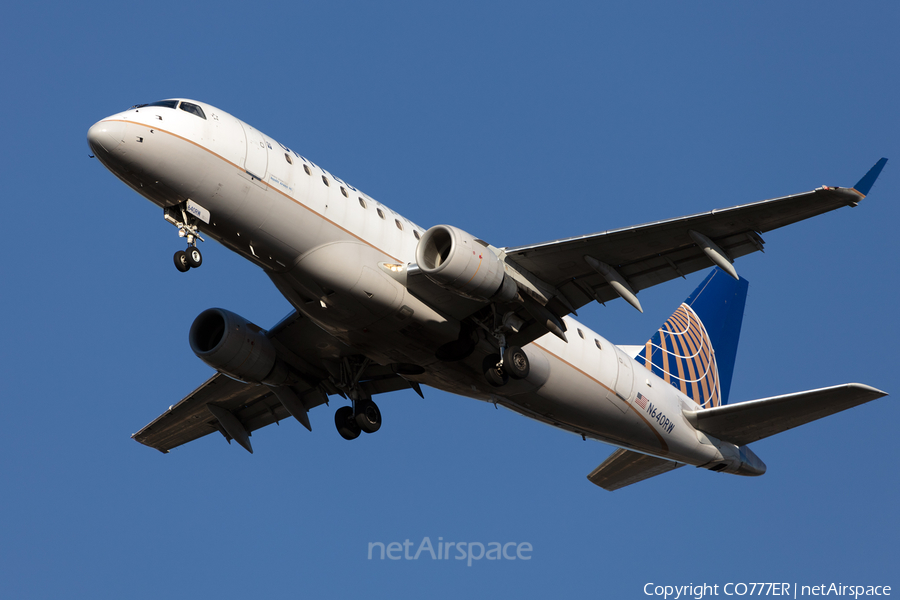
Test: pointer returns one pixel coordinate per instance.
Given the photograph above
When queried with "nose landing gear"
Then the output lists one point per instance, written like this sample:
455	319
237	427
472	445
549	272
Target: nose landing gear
187	228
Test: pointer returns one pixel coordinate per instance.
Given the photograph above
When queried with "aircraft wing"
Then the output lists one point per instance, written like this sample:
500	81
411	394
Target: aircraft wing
746	422
310	351
646	255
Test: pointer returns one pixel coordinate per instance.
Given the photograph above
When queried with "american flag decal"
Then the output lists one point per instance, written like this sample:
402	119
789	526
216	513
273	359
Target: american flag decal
641	401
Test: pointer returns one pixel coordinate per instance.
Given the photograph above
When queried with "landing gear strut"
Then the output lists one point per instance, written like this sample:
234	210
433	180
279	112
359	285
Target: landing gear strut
493	370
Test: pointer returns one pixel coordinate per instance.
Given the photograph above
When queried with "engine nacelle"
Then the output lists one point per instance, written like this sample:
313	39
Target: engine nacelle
236	347
456	261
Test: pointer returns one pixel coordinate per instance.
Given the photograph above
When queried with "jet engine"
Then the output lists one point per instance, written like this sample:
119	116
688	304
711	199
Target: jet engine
456	261
236	347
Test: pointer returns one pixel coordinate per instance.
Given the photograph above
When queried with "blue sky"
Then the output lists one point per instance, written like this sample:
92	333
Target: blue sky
518	122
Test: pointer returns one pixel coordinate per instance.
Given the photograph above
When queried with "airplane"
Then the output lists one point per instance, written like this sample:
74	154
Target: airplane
381	304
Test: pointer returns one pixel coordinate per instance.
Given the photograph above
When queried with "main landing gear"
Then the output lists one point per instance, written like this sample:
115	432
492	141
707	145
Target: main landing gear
190	258
511	362
364	415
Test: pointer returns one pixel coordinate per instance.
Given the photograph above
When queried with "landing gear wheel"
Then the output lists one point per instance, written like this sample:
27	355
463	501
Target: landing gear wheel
515	362
181	261
346	425
368	417
194	258
495	376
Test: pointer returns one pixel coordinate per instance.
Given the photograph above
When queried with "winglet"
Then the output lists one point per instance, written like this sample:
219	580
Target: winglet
865	184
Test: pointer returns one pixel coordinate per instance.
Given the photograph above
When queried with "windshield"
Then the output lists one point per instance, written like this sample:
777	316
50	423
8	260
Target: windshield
163	103
185	106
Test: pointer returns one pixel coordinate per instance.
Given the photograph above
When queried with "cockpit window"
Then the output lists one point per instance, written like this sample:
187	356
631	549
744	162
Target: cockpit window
193	109
163	103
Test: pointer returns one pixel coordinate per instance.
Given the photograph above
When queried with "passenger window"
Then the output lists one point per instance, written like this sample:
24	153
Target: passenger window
325	181
305	168
344	192
362	202
287	157
399	224
193	109
596	341
580	334
416	233
380	214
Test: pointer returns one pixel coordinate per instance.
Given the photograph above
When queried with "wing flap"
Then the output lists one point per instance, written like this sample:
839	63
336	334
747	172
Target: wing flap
625	467
747	422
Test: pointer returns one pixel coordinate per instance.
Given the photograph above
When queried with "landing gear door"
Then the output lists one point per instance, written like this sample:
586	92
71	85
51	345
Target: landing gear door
257	159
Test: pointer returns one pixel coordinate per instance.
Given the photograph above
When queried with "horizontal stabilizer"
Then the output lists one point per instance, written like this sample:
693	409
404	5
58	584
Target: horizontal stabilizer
624	467
746	422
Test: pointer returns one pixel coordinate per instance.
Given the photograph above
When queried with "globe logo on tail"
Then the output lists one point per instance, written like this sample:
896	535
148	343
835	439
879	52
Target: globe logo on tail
681	353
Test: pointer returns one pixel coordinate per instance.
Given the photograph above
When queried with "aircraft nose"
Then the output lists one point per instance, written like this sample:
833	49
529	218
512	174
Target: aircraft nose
106	136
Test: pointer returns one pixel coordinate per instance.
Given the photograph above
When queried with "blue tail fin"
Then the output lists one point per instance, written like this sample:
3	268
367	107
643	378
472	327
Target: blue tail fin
695	349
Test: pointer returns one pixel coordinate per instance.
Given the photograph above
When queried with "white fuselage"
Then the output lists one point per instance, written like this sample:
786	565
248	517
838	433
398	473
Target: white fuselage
326	246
